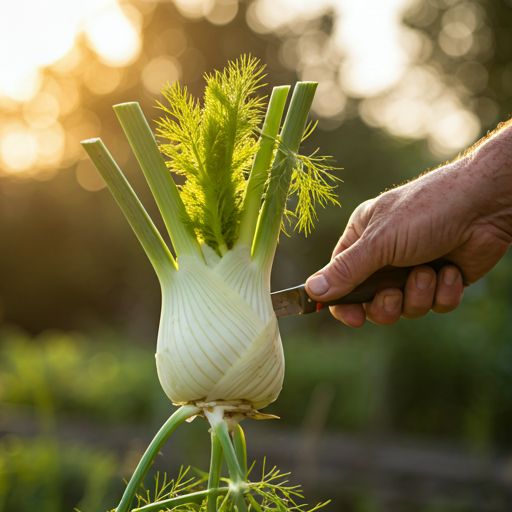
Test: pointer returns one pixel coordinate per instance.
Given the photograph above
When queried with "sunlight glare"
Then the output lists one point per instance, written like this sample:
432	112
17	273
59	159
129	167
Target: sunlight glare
49	33
367	33
114	37
34	41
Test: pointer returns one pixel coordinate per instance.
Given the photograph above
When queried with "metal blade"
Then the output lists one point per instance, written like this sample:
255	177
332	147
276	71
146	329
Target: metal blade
287	303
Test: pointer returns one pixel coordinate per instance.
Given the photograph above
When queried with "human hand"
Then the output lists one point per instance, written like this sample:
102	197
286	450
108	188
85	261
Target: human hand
461	211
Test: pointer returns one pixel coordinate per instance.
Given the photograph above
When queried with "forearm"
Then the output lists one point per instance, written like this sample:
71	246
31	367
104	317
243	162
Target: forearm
487	170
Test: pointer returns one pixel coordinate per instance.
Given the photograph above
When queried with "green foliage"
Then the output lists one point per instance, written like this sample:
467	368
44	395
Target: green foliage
44	475
270	493
76	374
213	147
165	490
309	183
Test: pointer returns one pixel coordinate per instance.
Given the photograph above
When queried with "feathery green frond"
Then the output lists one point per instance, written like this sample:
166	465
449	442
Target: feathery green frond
270	493
309	183
213	147
167	489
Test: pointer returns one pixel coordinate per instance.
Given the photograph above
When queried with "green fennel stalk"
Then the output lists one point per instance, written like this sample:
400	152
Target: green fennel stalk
261	164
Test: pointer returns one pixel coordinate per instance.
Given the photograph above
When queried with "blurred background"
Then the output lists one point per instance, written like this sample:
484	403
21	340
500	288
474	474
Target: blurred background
414	417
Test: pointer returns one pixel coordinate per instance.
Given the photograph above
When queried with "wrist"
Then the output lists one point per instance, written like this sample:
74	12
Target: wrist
486	172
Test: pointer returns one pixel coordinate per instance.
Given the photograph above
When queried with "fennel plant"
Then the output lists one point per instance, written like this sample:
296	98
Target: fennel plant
219	353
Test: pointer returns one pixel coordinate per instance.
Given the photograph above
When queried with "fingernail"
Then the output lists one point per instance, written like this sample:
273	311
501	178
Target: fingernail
318	285
450	276
392	301
423	280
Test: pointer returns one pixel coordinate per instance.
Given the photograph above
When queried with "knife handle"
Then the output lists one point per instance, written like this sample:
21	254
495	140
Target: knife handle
389	277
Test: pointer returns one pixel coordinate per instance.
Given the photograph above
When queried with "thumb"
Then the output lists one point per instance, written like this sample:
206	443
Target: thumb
345	271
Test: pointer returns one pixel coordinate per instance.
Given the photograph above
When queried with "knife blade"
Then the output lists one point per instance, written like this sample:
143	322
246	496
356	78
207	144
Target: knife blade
296	301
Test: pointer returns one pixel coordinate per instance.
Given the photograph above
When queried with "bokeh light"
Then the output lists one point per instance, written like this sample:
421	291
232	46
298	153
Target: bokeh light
194	9
50	32
115	36
88	177
373	57
18	147
222	12
34	142
369	56
159	72
101	79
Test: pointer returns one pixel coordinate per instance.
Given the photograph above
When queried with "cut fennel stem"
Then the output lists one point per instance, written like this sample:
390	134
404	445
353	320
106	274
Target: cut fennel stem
218	337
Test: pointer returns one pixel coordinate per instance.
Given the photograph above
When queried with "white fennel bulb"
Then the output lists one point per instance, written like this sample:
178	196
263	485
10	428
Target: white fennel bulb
218	337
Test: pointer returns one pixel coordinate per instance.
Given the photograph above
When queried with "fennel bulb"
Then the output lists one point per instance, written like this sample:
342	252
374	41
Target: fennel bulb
218	337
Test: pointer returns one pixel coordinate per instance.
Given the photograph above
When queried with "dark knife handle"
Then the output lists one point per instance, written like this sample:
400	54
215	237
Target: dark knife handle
389	277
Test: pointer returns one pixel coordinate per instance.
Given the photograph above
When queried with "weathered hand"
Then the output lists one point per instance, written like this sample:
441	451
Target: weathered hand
461	211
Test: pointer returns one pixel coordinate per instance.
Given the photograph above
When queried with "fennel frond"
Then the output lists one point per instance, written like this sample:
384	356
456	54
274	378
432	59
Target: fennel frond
213	147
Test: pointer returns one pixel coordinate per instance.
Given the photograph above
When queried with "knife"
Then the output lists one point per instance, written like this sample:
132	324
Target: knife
296	301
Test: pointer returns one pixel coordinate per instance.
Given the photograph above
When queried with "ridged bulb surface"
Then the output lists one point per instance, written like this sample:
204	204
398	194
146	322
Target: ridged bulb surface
218	337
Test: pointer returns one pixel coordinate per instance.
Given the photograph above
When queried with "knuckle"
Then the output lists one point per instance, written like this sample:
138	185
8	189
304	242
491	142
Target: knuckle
419	302
340	269
378	315
365	208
